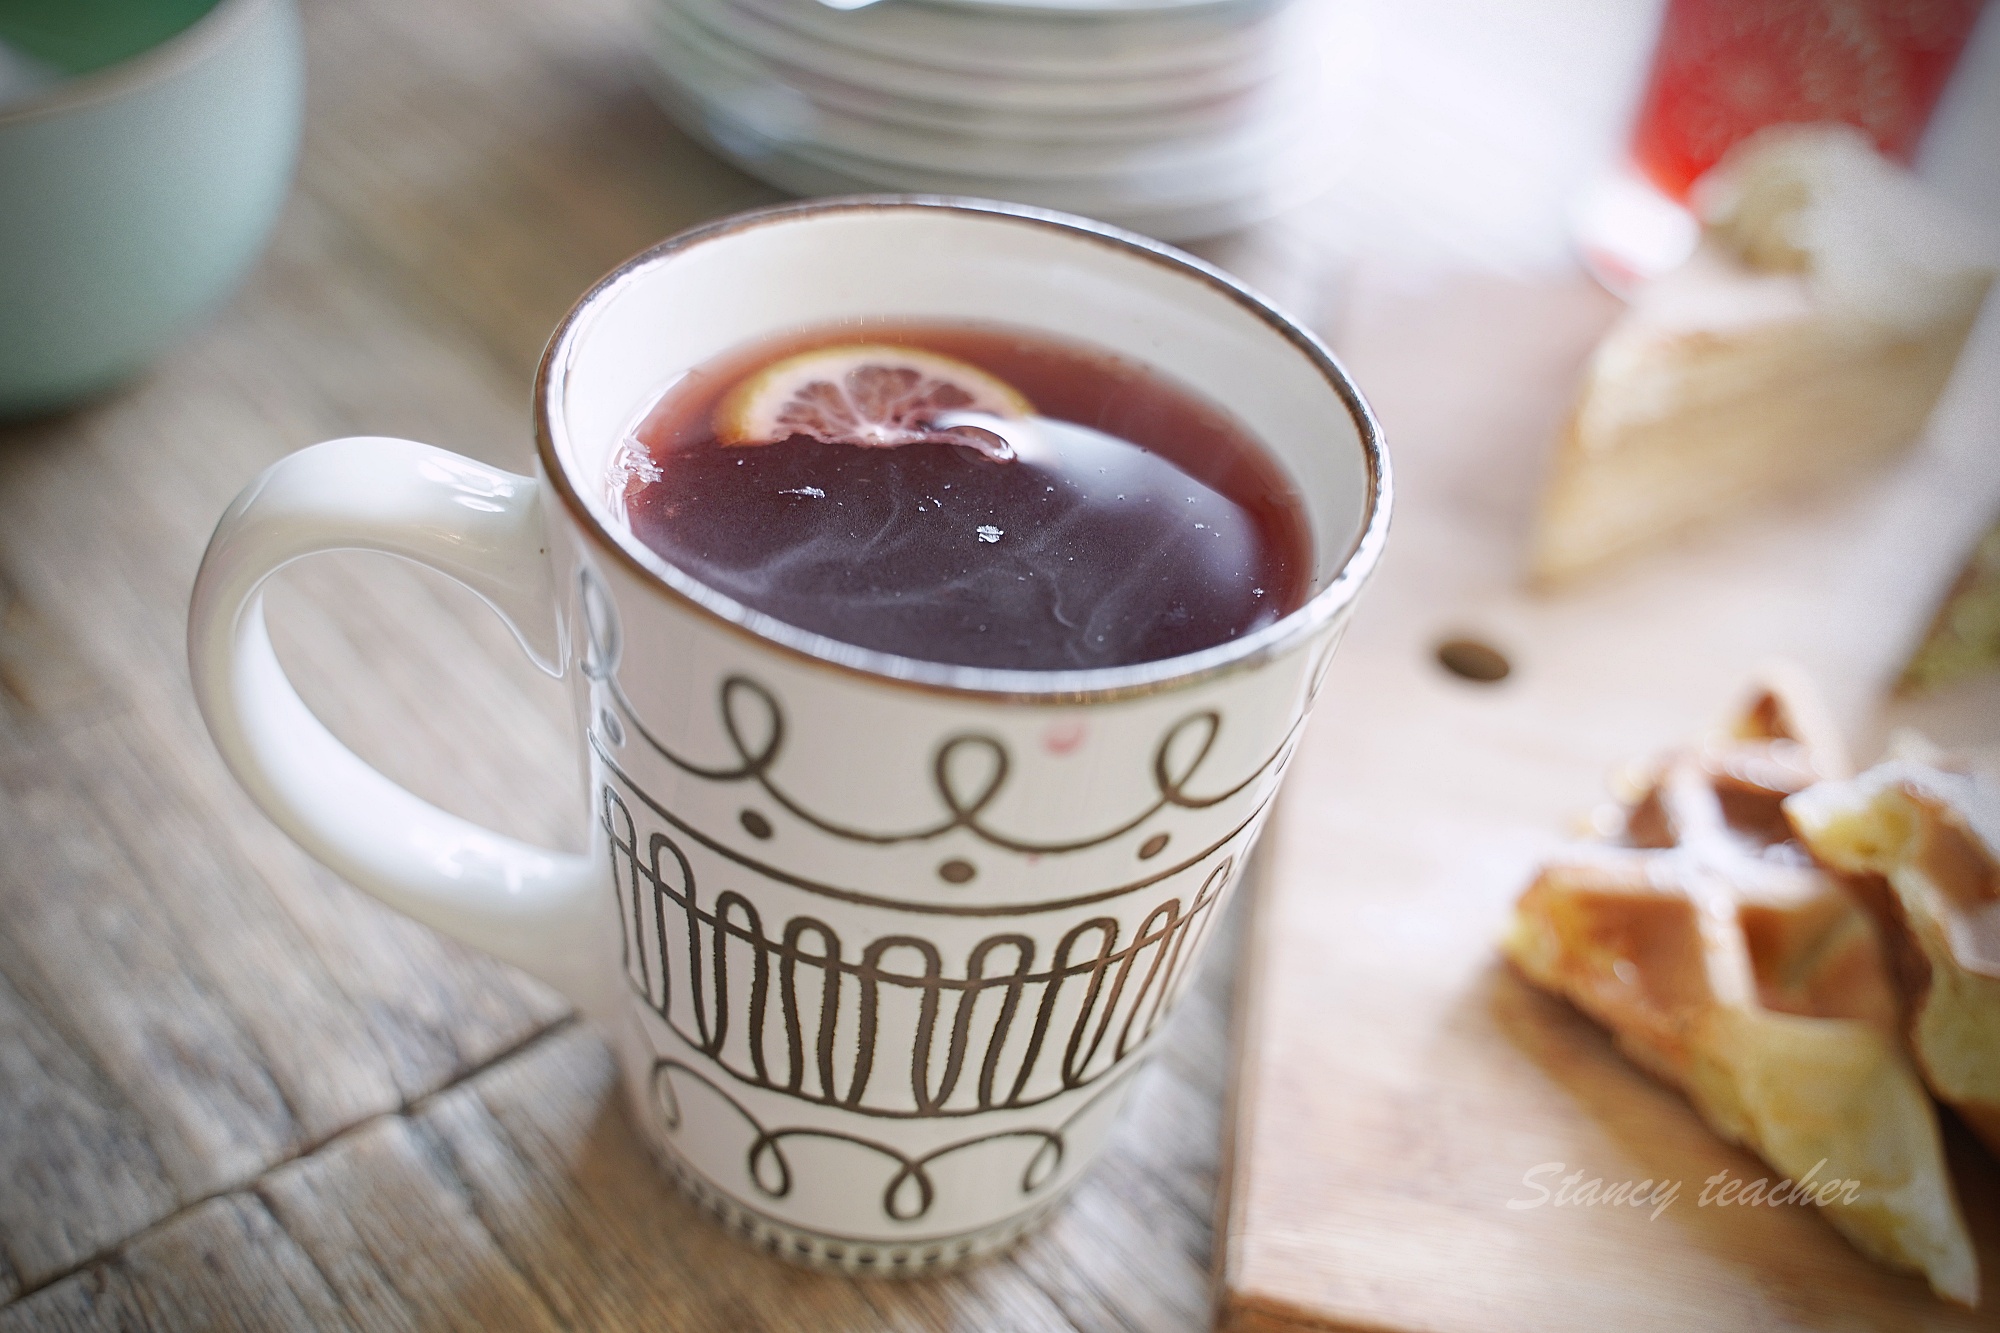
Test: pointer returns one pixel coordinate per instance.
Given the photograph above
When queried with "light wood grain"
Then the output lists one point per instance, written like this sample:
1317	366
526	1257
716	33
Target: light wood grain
1397	1083
521	1198
223	1264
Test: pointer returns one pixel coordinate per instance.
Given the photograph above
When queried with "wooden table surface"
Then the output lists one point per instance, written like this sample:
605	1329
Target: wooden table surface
236	1093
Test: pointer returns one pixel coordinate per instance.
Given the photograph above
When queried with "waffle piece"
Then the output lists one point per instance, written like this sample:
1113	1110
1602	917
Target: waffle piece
1934	837
1807	338
1730	966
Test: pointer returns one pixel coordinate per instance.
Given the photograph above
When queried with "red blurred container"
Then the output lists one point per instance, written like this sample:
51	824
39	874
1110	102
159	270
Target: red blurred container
1725	69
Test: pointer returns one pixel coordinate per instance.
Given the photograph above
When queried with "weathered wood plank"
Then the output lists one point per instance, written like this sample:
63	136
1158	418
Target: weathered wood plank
522	1198
393	1235
163	944
542	1149
84	940
501	157
43	678
224	1265
127	825
70	1133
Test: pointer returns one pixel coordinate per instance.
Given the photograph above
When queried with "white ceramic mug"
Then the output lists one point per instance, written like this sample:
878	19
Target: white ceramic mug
879	942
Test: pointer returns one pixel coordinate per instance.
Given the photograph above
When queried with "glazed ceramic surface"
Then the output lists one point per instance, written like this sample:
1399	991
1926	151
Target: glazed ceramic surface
880	942
1173	118
135	198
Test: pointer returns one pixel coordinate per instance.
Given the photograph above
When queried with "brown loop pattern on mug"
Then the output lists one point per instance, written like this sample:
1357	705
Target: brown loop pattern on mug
754	724
797	1010
910	1191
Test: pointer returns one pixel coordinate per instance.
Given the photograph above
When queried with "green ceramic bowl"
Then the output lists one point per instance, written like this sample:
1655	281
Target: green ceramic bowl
133	197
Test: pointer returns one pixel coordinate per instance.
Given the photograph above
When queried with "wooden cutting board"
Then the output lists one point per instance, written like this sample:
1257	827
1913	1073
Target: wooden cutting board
1396	1082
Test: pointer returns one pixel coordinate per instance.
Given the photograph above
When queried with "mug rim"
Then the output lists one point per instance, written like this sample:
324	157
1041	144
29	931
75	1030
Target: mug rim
1095	684
156	64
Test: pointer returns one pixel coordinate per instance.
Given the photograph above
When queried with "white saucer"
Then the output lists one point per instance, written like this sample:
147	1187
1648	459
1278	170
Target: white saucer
1179	118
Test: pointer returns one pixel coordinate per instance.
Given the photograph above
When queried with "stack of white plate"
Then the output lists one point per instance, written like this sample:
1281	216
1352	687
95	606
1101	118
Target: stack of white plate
1180	118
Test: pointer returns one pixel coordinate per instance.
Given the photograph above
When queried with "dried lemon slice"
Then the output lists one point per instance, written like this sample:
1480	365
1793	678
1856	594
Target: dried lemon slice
870	394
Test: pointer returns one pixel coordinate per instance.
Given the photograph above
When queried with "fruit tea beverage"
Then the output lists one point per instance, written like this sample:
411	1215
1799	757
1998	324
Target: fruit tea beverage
970	494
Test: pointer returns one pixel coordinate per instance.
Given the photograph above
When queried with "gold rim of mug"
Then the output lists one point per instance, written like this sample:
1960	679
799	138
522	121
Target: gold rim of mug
1034	687
155	64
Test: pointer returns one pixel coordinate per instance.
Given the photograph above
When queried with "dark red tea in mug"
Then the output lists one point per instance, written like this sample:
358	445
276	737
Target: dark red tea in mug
971	494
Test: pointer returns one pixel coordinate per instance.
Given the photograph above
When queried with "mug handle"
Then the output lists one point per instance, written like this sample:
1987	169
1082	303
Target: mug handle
524	904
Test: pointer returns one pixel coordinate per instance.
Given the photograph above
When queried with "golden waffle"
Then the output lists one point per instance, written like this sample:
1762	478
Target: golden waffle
1730	966
1923	844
